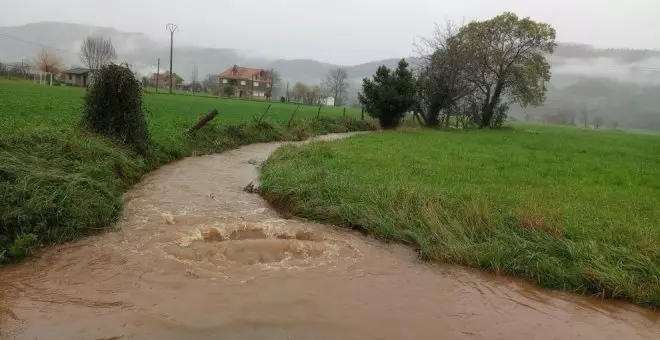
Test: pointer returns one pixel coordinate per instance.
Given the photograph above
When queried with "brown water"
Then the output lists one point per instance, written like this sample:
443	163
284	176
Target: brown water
195	257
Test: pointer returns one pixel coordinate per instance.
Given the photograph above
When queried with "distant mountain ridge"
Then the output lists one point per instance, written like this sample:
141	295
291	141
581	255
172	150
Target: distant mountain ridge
622	84
142	52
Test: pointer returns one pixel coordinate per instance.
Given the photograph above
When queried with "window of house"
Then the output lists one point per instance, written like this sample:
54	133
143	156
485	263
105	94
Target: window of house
256	83
70	77
242	82
224	81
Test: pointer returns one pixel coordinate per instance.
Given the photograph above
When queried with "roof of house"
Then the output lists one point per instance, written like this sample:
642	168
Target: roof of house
77	70
237	72
165	75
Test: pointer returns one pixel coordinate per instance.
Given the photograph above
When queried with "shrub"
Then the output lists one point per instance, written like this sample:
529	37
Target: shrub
113	108
282	99
389	94
229	91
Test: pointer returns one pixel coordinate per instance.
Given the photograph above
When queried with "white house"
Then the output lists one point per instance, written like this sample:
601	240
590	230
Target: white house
328	101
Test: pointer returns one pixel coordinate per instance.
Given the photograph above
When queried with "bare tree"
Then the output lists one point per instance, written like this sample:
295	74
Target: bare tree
307	94
211	83
48	62
585	117
23	68
96	52
598	122
194	77
275	82
441	76
299	91
336	84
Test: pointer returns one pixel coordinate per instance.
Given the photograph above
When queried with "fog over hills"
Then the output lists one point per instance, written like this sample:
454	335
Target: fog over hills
622	86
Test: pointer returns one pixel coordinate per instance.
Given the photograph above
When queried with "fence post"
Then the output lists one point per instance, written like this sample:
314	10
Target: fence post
362	113
294	113
263	115
344	111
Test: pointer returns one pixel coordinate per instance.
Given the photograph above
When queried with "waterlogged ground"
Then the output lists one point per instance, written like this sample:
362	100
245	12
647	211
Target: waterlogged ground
196	257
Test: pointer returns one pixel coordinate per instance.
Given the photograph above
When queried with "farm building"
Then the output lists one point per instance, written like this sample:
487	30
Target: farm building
78	77
246	82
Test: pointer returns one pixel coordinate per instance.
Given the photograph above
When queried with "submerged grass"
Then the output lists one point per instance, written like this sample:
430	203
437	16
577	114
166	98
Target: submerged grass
565	208
58	182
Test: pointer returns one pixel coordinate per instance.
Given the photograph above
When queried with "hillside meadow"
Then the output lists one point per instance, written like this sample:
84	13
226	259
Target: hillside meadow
59	182
565	208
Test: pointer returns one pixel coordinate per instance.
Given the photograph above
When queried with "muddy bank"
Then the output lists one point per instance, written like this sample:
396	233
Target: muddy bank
196	257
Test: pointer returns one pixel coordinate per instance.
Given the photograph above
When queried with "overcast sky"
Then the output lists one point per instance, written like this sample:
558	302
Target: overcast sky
342	31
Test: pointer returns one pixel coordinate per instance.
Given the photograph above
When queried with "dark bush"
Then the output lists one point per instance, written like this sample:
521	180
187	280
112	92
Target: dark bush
229	91
389	94
113	108
282	99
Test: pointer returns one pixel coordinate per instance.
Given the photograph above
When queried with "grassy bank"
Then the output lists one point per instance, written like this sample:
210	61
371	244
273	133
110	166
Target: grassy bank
562	207
58	183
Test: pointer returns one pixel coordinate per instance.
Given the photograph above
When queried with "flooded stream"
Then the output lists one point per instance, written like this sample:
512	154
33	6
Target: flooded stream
196	257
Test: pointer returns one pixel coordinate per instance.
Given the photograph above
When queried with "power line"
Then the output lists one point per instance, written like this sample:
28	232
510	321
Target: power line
34	43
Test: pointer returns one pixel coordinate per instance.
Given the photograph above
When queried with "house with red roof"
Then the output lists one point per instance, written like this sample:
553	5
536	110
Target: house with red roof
245	82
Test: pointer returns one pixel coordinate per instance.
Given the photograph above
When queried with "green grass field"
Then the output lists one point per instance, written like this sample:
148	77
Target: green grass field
565	208
59	182
50	106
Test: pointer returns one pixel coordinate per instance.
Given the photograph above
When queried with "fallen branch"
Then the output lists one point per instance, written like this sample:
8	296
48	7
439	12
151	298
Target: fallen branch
202	121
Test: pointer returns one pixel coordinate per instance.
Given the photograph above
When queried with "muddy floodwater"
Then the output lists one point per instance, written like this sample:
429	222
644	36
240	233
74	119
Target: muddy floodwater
196	257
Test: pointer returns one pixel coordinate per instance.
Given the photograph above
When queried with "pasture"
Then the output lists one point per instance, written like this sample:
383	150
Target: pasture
59	182
565	208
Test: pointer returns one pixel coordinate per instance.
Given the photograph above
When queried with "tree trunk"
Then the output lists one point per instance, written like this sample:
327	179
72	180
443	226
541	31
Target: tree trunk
489	106
433	118
421	120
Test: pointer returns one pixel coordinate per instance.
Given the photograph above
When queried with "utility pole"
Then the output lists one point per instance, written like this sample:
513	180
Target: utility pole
172	28
158	75
287	91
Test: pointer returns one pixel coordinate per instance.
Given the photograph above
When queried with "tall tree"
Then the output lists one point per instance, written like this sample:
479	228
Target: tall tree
211	84
299	91
442	83
508	58
336	84
276	80
96	52
48	62
389	95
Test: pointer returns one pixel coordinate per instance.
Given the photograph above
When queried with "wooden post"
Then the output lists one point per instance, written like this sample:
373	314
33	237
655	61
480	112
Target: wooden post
202	121
263	115
362	113
318	114
344	111
294	113
158	75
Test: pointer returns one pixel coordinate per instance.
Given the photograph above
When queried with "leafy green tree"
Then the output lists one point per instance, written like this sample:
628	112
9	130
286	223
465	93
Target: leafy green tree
229	91
113	108
508	59
389	95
